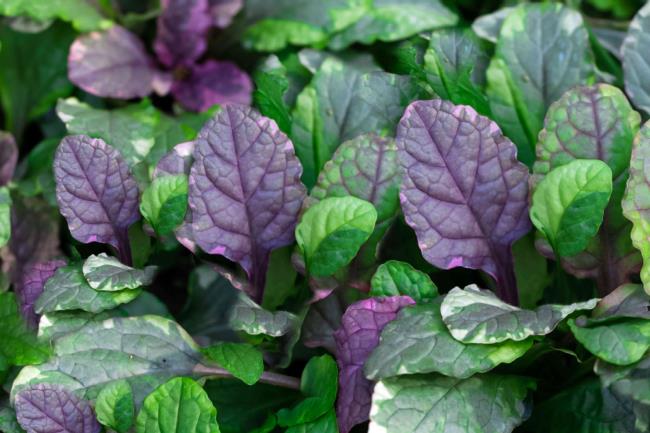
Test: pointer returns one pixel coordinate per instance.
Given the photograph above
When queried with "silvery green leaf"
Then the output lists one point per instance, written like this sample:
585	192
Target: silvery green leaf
473	315
488	26
145	351
108	274
418	341
69	290
432	403
249	317
636	52
59	323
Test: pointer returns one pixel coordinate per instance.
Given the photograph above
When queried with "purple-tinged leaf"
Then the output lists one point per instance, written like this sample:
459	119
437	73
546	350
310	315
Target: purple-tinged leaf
8	157
358	336
223	11
114	64
31	286
178	161
323	319
464	192
47	408
182	29
96	193
245	190
34	236
210	83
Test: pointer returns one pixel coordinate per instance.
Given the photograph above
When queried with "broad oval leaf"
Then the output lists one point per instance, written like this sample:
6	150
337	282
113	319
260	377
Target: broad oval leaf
182	29
418	341
145	351
243	360
394	278
635	51
114	64
637	194
245	191
68	289
364	167
8	157
96	192
431	403
331	232
358	335
178	406
473	315
568	204
164	203
31	287
48	408
531	68
622	342
115	407
467	203
107	274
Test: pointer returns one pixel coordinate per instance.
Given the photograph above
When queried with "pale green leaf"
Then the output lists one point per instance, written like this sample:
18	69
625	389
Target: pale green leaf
252	319
107	274
164	203
622	342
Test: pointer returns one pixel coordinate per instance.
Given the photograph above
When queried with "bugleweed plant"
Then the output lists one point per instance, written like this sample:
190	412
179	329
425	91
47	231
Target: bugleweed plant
327	216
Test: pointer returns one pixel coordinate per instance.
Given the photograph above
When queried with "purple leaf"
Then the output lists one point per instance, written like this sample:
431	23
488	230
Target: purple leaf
210	83
358	336
464	192
96	193
8	157
178	161
31	286
114	64
223	11
182	30
245	190
34	236
47	408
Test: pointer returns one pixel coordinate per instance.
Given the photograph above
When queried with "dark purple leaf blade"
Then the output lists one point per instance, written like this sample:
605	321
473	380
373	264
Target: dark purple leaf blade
245	191
357	337
213	82
182	29
31	286
96	193
114	64
8	157
464	192
47	408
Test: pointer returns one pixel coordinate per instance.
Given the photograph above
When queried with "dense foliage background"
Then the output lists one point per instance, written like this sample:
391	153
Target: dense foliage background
249	216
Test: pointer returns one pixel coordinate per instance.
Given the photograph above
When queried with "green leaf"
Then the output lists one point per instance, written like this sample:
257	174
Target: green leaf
319	384
568	204
164	203
488	26
526	74
39	176
392	20
5	216
39	59
115	408
340	103
628	300
418	341
634	53
531	271
431	403
131	129
83	15
241	408
297	22
54	325
244	361
473	315
107	274
271	84
178	406
621	342
8	422
331	232
19	345
585	408
455	65
324	424
68	289
252	319
637	194
145	351
394	278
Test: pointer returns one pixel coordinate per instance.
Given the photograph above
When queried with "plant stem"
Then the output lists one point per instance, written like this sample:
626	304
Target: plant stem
268	377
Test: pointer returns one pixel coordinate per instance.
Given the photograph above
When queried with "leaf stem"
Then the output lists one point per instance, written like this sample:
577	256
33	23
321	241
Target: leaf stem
268	377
